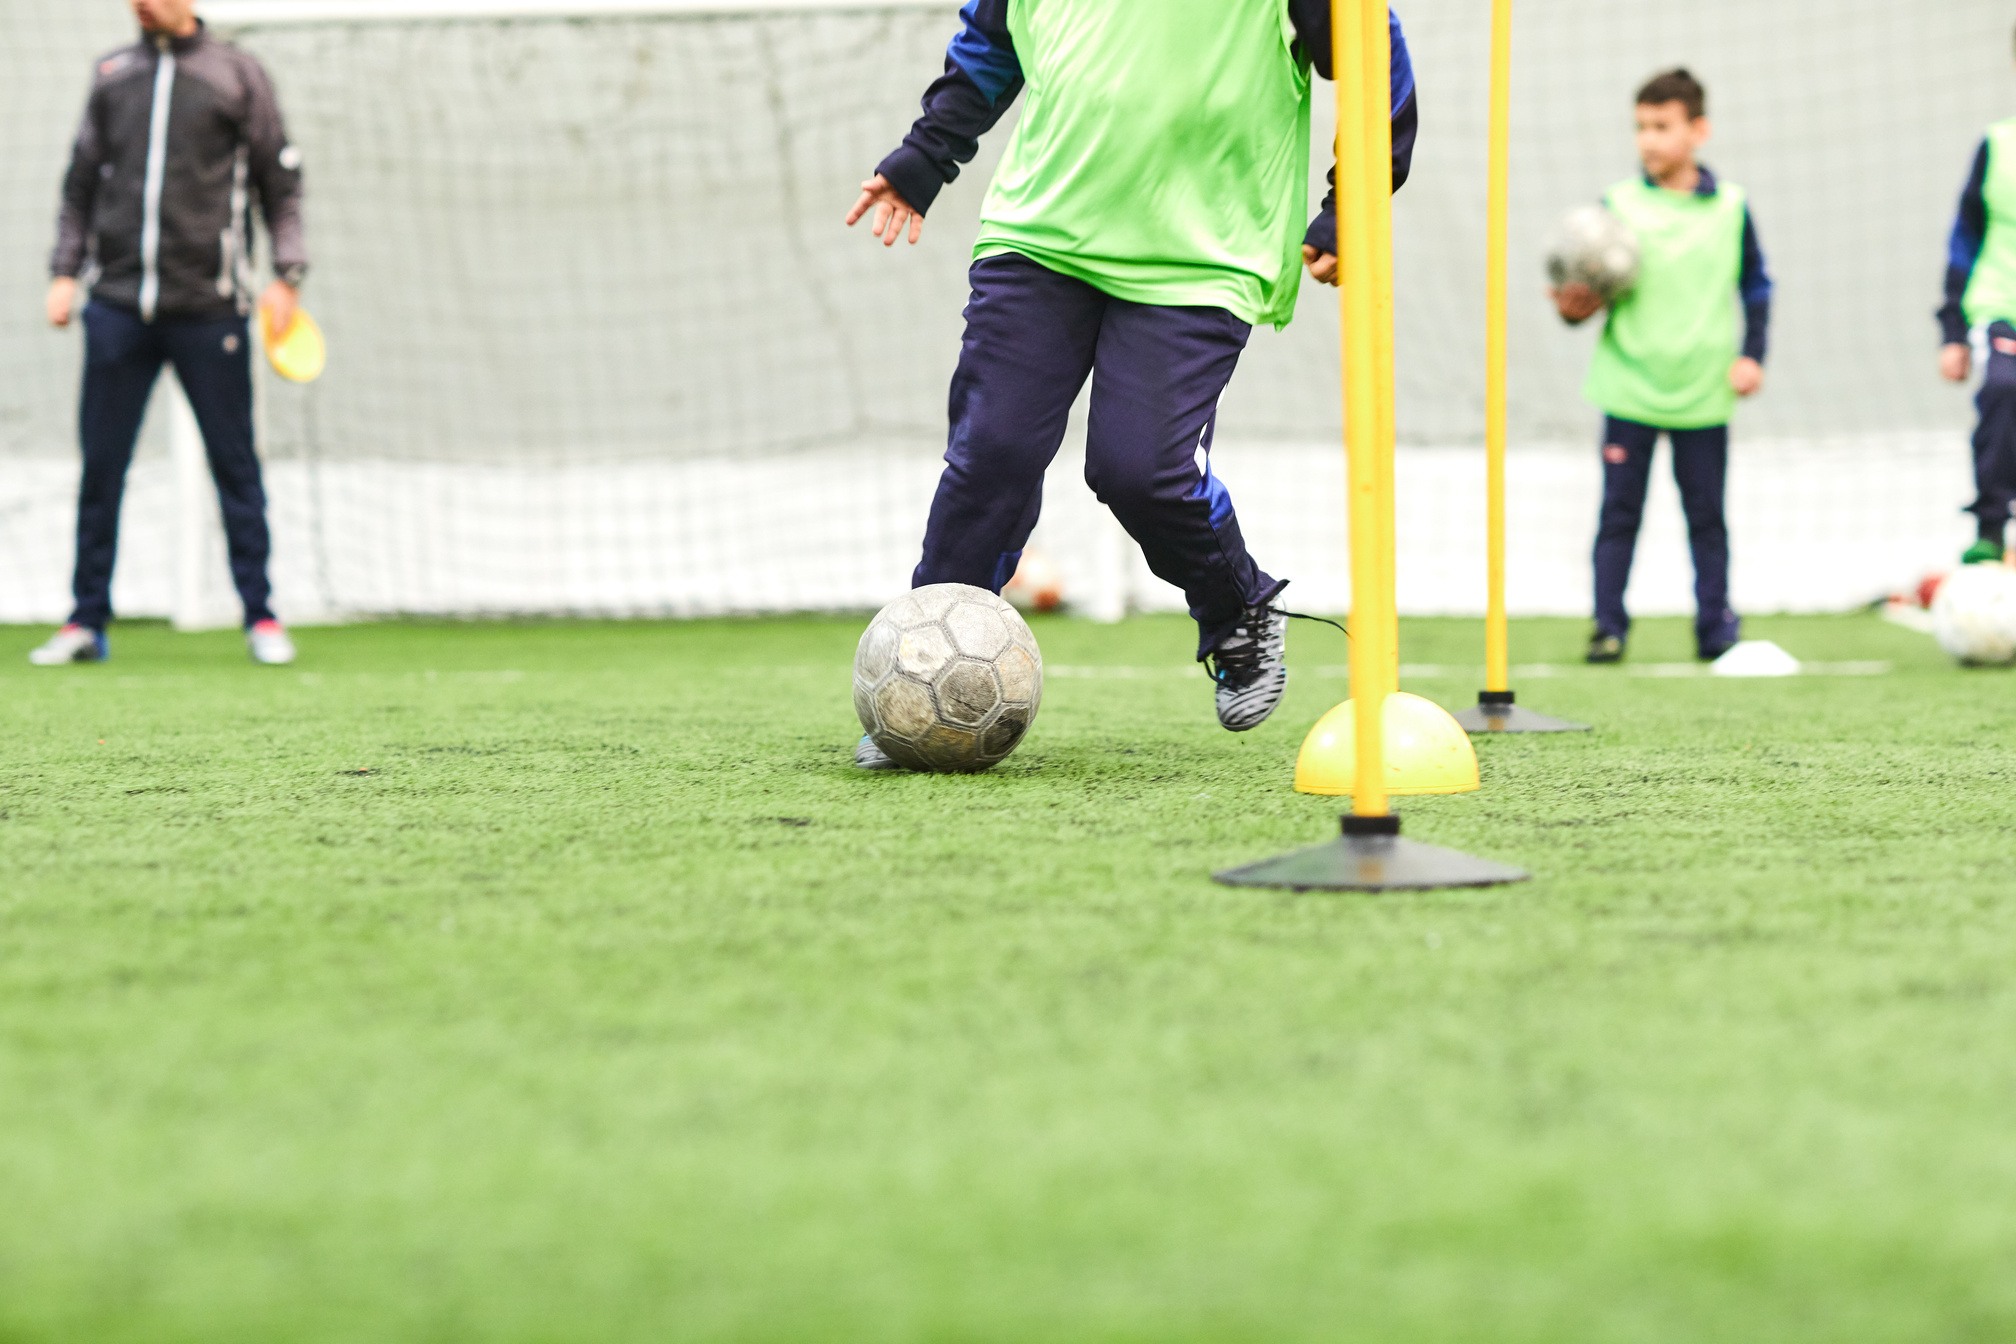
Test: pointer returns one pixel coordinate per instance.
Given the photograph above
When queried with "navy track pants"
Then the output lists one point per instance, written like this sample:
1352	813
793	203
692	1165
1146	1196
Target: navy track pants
1033	337
1995	435
123	356
1701	469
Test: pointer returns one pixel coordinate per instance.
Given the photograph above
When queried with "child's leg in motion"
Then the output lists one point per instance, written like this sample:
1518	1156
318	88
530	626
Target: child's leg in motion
1147	456
1995	436
1701	469
1627	470
1030	336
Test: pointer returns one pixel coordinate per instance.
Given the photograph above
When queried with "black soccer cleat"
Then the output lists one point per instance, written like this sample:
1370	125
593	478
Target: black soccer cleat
1605	648
1250	667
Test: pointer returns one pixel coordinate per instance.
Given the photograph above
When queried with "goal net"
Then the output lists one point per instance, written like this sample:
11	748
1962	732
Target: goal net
599	343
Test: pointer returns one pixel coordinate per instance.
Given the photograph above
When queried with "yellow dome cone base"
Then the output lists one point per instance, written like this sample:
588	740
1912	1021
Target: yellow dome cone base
1427	751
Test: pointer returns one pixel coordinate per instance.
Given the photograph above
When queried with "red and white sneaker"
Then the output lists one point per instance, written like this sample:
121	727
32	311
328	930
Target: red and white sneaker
268	642
72	644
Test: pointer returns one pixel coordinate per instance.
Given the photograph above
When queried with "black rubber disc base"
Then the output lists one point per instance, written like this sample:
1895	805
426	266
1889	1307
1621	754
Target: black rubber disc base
1372	863
1513	719
1495	713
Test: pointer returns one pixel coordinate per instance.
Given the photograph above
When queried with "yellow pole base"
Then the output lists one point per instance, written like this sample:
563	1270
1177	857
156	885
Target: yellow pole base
1427	751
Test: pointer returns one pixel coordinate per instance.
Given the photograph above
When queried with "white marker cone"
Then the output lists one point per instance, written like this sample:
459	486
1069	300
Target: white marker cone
1756	658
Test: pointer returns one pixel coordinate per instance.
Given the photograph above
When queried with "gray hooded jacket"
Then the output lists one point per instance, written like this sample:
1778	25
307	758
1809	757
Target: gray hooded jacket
178	139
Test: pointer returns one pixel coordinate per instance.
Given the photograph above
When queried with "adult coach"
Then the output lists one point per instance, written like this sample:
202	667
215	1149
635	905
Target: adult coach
181	134
1151	208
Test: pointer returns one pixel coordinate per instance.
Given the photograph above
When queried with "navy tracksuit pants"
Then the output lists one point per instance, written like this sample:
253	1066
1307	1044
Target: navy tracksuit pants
123	356
1701	469
1033	337
1995	435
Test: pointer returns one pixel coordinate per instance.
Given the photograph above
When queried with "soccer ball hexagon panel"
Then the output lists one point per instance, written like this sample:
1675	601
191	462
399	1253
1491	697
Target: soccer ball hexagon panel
1594	247
947	679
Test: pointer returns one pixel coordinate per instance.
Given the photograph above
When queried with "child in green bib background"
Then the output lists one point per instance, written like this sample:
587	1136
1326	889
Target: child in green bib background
1669	361
1980	310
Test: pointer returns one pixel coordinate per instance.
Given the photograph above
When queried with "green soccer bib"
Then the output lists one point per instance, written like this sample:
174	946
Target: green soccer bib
1162	154
1666	350
1991	292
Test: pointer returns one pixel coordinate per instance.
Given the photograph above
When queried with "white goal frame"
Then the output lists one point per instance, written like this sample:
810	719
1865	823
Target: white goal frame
198	531
235	14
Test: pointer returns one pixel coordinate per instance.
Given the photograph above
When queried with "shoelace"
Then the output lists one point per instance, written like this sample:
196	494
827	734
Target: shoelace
1239	665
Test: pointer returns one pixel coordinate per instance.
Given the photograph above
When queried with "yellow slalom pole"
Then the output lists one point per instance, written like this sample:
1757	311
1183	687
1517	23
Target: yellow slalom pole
1433	753
1495	711
1370	656
1379	199
1497	641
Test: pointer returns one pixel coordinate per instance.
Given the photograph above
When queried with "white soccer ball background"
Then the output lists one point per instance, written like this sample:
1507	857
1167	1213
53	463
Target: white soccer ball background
1974	614
1038	584
1594	247
948	679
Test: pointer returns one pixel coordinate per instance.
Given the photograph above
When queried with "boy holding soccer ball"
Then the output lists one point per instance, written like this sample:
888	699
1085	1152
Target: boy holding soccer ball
1981	304
1669	361
1150	208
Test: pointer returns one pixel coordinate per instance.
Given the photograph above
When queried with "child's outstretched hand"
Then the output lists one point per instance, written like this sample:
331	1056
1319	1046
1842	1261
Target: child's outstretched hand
892	212
1322	266
1577	303
1955	363
1746	375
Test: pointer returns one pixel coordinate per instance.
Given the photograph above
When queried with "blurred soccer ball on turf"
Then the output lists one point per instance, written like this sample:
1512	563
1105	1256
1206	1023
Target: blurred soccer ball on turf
1038	584
1974	614
1594	247
947	679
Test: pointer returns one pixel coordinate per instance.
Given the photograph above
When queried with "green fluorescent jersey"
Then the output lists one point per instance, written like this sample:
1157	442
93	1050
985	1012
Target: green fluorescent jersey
1162	154
1991	291
1666	350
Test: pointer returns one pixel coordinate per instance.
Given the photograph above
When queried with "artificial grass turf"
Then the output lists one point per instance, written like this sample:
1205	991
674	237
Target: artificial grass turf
612	1005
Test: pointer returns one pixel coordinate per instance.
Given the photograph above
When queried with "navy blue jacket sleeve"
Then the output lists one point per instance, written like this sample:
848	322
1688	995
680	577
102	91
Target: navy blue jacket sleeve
1755	286
982	77
1963	249
1312	30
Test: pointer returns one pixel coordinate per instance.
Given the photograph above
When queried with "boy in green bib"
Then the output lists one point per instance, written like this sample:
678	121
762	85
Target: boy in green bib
1669	362
1980	313
1150	209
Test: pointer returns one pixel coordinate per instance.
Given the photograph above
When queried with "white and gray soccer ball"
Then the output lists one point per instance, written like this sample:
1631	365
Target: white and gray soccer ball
1974	614
948	679
1594	247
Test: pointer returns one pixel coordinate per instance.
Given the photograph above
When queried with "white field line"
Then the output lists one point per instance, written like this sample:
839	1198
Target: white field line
1542	671
505	677
239	14
1457	672
1190	673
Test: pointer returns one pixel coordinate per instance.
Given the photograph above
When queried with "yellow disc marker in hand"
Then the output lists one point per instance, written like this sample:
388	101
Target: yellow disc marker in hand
298	353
